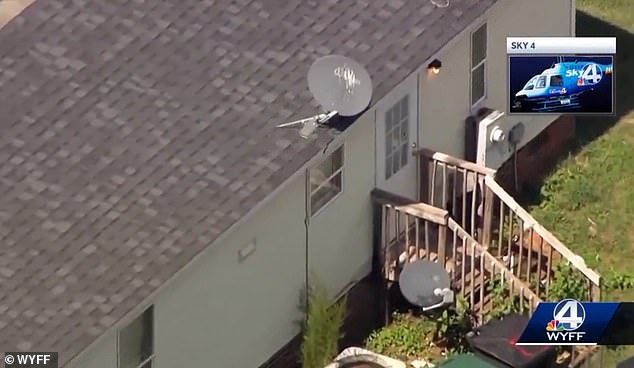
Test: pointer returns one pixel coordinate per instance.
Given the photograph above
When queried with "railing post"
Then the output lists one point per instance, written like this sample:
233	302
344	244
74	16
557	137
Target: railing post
423	177
595	291
442	245
487	221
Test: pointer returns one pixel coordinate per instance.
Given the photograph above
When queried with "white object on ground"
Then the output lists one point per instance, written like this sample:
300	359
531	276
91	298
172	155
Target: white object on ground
359	355
421	364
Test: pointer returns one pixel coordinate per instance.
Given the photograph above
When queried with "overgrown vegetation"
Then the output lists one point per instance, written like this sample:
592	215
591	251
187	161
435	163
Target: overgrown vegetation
408	337
411	337
324	319
503	303
588	202
567	283
453	326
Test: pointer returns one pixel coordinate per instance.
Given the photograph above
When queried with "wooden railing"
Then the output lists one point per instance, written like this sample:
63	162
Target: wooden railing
480	205
528	252
413	231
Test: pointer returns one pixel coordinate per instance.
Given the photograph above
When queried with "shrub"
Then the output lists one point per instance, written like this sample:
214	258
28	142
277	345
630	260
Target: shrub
406	338
320	341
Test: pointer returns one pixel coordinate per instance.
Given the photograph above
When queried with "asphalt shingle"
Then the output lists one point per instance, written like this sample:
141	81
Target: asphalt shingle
135	132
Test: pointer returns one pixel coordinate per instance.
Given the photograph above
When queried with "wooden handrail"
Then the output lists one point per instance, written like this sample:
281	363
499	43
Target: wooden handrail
492	262
529	221
463	234
450	160
411	207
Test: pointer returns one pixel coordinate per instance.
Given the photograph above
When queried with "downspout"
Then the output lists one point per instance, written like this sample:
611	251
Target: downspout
415	144
306	243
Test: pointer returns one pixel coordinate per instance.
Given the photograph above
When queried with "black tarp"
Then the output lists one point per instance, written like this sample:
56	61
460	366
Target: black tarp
496	340
627	363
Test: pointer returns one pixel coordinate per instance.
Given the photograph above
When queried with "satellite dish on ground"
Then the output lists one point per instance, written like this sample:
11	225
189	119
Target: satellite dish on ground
426	285
340	85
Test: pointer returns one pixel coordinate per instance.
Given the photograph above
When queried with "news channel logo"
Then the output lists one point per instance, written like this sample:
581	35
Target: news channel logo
567	322
571	322
568	316
30	360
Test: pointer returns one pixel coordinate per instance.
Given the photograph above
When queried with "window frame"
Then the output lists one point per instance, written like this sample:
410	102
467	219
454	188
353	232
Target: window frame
481	64
403	144
147	362
322	184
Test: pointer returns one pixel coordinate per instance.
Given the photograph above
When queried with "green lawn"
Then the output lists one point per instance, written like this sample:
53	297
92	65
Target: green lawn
588	202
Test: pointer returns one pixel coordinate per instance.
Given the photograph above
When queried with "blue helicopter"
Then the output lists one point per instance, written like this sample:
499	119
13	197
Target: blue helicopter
561	86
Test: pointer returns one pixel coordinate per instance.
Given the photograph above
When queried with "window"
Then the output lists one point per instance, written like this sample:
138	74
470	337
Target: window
556	81
541	82
326	180
530	84
136	346
478	64
396	137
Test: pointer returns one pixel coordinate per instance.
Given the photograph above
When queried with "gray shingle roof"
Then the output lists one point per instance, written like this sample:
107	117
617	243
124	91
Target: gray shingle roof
135	132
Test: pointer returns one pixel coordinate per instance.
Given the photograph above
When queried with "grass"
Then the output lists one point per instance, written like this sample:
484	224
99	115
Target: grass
588	202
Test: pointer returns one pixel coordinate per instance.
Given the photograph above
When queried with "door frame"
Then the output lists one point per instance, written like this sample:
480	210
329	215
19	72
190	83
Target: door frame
410	86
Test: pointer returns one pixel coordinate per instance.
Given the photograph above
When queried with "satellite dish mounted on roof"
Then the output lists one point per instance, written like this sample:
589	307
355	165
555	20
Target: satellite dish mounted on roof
440	3
340	85
426	284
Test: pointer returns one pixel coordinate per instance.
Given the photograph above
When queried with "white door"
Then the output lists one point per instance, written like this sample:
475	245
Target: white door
397	138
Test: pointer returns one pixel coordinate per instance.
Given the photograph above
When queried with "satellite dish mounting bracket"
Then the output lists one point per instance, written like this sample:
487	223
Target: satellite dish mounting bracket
309	124
447	298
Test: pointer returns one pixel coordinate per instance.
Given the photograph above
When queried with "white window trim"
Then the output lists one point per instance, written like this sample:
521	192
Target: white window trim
479	64
327	180
146	361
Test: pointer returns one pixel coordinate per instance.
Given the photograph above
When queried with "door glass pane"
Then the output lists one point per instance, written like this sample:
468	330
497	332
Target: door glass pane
395	139
405	107
396	162
404	131
404	154
396	114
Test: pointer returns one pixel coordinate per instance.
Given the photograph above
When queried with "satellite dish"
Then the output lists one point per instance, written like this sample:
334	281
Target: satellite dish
340	85
425	284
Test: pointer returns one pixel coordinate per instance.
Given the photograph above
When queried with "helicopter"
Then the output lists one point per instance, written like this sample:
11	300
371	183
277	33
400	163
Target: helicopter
561	86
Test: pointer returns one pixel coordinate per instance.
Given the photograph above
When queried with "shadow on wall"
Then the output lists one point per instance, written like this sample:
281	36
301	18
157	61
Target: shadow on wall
591	127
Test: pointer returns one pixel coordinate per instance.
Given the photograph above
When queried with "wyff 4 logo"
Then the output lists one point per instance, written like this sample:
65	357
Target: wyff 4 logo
589	75
568	316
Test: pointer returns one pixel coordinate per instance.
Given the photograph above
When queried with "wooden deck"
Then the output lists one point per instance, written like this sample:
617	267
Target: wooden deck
486	235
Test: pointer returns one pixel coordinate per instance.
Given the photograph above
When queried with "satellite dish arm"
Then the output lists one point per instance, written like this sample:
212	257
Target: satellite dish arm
447	298
318	119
